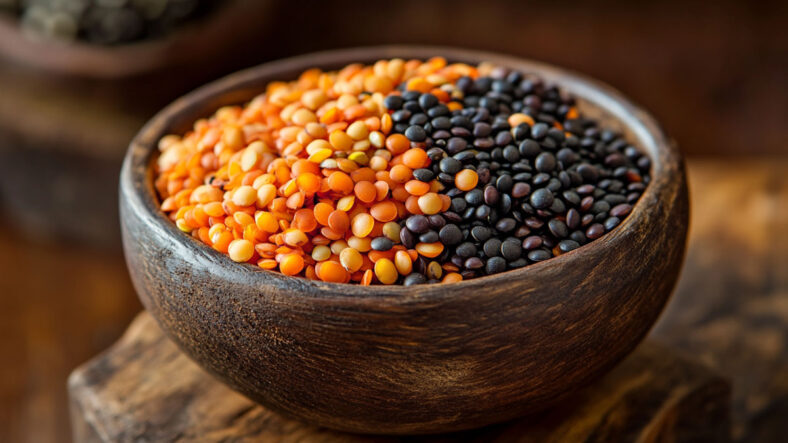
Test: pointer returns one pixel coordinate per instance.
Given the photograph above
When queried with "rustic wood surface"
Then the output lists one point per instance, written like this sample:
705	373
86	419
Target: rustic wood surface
144	388
443	357
61	305
730	309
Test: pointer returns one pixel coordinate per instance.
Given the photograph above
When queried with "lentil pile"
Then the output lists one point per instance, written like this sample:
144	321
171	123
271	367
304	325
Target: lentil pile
401	172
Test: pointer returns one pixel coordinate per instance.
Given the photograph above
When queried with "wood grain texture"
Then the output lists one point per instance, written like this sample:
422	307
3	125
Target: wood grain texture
731	305
144	388
433	358
59	306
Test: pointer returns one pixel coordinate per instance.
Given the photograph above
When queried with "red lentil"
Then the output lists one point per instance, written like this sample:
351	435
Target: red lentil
304	176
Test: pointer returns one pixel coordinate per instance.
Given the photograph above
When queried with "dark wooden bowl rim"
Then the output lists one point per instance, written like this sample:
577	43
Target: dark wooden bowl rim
650	138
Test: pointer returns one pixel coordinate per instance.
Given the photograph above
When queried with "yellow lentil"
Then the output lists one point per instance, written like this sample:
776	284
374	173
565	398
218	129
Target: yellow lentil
385	271
351	259
320	253
403	262
358	130
430	203
362	224
240	250
245	196
391	231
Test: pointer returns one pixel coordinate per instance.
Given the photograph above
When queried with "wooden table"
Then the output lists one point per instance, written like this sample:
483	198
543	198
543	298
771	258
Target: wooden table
144	388
61	305
730	309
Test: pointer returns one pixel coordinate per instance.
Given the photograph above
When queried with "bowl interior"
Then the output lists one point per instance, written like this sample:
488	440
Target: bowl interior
594	99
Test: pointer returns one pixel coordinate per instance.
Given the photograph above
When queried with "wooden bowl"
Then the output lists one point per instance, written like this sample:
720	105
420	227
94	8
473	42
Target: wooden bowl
204	38
408	360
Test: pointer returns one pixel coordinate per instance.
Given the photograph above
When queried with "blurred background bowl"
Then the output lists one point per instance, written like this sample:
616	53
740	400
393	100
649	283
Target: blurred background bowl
66	121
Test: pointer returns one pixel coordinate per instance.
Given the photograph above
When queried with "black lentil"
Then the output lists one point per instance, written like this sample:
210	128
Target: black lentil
544	188
381	244
417	224
450	235
414	278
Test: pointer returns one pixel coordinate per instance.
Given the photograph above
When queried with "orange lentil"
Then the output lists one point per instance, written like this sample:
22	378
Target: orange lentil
378	163
266	221
346	165
222	241
381	190
265	195
519	118
338	221
366	279
322	211
242	218
418	84
397	143
321	253
310	273
466	179
385	124
454	106
340	140
400	173
244	196
331	234
304	220
416	187
429	250
203	235
340	182
363	174
452	277
291	264
214	209
296	200
267	263
308	183
415	158
445	202
399	193
346	203
412	205
366	191
331	271
374	256
384	211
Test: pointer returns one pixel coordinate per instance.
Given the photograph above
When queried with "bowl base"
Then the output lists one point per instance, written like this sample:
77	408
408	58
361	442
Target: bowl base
145	388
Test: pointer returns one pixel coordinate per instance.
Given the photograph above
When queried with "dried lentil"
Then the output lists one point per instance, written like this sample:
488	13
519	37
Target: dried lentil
405	172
